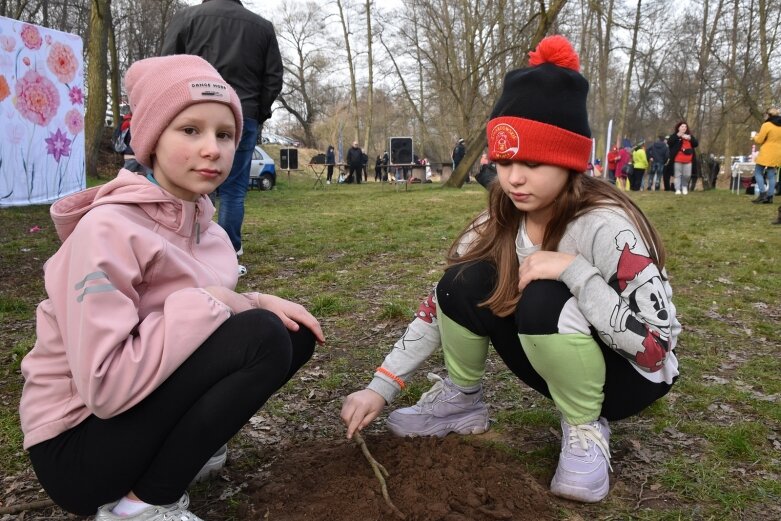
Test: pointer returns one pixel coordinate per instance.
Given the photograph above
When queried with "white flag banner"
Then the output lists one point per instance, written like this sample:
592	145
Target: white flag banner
41	114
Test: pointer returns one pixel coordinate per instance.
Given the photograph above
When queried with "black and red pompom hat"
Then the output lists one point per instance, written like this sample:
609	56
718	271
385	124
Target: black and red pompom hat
541	116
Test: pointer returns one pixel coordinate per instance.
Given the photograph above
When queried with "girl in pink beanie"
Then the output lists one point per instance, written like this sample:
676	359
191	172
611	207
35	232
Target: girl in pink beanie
146	360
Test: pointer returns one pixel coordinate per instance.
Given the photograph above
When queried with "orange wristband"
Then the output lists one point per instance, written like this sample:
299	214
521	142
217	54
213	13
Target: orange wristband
392	376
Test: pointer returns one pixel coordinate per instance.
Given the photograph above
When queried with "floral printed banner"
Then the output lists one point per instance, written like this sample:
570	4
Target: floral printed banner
41	114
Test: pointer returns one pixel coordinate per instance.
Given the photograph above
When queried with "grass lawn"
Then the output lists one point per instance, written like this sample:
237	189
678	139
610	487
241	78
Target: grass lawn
362	257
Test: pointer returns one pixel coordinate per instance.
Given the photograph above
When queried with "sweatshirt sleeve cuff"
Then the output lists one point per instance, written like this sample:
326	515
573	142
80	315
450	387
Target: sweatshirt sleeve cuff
384	387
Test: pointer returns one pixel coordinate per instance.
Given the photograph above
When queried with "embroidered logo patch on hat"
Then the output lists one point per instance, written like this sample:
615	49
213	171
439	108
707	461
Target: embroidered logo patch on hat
209	90
504	141
540	115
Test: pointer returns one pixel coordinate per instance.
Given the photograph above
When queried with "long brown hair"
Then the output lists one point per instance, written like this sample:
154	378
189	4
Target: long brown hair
494	236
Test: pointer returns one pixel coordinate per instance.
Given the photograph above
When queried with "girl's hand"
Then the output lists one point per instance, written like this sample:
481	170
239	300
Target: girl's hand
290	313
360	409
548	265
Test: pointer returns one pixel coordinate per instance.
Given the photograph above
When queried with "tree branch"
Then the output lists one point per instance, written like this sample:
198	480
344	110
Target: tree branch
380	472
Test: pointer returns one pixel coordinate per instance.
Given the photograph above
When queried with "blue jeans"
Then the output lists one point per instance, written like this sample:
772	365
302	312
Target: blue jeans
233	191
655	175
770	189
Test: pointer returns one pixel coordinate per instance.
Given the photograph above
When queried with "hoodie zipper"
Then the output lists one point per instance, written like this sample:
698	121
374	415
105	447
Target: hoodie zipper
197	225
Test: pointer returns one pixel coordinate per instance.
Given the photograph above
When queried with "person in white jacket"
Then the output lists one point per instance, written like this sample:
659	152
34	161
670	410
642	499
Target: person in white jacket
146	360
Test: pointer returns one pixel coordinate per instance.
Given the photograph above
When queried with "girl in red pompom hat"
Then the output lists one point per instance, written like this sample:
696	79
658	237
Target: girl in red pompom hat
562	274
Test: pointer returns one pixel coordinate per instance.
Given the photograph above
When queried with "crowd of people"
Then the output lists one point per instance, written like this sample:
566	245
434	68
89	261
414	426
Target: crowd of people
356	167
669	163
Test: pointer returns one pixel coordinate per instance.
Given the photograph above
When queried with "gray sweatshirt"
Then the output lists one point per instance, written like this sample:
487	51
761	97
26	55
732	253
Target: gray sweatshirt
619	290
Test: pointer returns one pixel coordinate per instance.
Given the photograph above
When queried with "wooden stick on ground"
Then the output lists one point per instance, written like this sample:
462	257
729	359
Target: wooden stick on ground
380	472
23	507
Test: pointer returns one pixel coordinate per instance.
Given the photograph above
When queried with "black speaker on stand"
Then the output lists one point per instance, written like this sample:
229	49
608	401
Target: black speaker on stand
288	158
401	150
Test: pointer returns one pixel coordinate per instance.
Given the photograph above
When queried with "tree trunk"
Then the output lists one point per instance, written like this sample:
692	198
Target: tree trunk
351	66
731	97
765	92
628	80
604	43
94	120
370	93
116	90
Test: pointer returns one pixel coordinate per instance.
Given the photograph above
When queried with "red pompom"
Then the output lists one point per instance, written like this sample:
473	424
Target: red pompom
556	50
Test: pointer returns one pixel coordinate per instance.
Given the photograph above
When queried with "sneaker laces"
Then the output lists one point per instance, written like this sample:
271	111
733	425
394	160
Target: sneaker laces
581	435
437	389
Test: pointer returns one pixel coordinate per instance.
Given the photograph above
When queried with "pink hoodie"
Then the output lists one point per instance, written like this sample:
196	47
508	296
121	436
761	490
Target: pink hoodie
125	305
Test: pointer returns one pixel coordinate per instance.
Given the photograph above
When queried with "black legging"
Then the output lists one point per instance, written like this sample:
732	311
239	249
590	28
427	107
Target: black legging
157	447
626	391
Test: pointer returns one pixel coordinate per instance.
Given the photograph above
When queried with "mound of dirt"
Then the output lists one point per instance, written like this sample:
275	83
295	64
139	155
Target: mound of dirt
451	479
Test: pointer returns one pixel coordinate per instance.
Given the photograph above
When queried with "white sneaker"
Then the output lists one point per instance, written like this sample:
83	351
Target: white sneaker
173	512
441	410
677	192
242	270
213	466
685	191
328	182
240	252
582	473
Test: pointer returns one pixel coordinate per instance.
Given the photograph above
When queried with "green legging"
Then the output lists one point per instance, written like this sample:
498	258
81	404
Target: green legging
585	378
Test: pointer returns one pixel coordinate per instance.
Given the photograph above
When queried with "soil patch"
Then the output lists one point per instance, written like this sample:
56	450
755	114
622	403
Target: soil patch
431	479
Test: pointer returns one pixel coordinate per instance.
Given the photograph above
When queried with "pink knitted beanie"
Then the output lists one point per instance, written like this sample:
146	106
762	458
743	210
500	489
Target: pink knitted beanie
158	89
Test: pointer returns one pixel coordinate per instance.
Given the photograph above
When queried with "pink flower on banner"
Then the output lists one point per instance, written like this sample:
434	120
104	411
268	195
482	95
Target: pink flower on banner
62	62
76	96
7	43
5	90
74	121
58	145
26	61
36	98
31	37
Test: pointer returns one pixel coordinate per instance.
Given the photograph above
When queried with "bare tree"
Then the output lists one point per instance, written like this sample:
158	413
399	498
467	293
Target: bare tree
629	69
370	84
304	63
351	65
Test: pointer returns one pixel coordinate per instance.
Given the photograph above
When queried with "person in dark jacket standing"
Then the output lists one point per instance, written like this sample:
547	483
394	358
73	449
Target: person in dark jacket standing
355	163
330	160
385	162
658	156
243	47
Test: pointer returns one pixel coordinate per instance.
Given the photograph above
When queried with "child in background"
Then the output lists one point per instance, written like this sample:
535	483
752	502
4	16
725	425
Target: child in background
146	361
624	168
562	274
